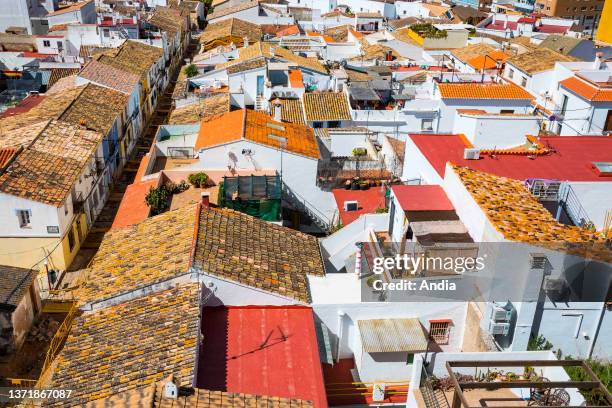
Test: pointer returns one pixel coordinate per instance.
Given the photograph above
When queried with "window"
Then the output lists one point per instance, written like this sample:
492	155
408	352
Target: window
46	43
24	218
410	358
524	81
427	124
71	239
583	8
506	111
439	331
510	73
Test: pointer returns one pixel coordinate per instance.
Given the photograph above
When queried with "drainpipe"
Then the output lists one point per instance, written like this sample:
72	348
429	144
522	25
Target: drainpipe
601	316
341	315
590	120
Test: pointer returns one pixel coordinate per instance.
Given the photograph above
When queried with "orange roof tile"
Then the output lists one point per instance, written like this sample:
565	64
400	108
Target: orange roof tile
133	208
73	7
295	78
482	91
489	61
222	129
5	155
587	90
291	30
260	128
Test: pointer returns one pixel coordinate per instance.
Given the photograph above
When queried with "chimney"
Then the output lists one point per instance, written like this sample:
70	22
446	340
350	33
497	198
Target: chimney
598	61
278	110
205	199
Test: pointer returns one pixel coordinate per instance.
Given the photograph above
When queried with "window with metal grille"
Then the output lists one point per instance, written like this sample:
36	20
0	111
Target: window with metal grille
439	331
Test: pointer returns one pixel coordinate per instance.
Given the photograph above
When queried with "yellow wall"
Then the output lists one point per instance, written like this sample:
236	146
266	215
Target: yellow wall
30	252
604	30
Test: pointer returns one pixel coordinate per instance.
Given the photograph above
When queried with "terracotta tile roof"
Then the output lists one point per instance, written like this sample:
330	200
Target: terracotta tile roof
169	20
6	154
209	108
263	49
71	8
538	60
132	56
482	91
292	111
515	213
587	90
232	30
257	253
51	107
231	10
62	84
22	136
129	346
257	127
368	15
109	76
47	169
489	61
296	79
119	266
152	396
338	34
133	207
326	106
226	128
14	282
465	54
247	65
59	73
96	108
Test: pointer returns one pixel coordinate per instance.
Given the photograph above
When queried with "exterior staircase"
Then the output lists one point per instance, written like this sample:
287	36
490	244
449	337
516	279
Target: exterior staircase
302	205
432	398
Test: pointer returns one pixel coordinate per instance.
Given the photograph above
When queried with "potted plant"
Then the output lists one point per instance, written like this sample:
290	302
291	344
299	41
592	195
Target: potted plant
198	179
359	151
347	185
364	185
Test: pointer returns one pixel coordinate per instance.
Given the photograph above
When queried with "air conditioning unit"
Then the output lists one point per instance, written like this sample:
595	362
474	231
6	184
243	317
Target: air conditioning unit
501	329
501	314
554	285
471	154
351	206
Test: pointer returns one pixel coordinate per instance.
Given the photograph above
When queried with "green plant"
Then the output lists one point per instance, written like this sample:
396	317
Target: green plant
359	151
191	70
198	179
427	30
603	371
538	343
157	199
381	210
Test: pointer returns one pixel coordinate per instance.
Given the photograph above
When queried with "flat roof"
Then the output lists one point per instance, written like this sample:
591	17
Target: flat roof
367	202
422	198
570	159
262	350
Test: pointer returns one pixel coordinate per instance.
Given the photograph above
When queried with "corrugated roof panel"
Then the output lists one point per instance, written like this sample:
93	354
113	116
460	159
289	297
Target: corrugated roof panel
392	335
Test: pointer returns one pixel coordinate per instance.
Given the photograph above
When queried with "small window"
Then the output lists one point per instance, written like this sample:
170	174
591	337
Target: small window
439	331
410	358
427	125
510	73
24	218
71	242
46	43
524	82
506	111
